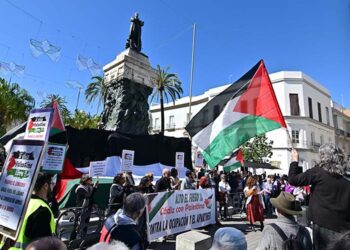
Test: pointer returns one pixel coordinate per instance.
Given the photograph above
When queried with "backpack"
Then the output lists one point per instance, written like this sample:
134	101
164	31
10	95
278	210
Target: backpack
291	243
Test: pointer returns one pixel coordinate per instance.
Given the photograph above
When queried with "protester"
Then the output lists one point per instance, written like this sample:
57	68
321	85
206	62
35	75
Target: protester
174	179
275	235
122	226
267	189
116	194
129	184
163	184
38	220
113	245
229	238
85	192
329	202
224	190
47	243
189	181
254	203
146	186
84	198
341	243
203	183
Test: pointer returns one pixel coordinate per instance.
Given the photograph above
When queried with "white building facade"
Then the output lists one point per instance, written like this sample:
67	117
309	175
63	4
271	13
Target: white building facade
305	105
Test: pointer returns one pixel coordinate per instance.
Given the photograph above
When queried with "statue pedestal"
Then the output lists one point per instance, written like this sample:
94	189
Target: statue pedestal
129	80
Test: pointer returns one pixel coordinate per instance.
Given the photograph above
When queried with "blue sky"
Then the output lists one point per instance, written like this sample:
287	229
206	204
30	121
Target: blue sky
312	36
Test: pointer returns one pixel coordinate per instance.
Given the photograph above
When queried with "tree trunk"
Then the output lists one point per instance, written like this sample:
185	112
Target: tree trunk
161	112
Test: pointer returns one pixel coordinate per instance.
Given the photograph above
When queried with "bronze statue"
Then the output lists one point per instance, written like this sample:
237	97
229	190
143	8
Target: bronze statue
134	40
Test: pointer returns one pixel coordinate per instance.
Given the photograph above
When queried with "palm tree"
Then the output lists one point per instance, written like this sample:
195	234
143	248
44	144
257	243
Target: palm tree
61	102
81	120
167	85
15	104
96	89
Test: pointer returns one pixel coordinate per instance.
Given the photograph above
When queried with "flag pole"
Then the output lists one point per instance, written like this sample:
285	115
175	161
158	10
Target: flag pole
290	142
192	68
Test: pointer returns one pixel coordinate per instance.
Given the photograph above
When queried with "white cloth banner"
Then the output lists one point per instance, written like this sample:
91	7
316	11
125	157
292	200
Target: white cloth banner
178	211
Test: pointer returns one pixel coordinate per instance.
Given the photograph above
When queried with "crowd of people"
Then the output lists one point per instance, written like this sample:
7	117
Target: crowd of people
324	191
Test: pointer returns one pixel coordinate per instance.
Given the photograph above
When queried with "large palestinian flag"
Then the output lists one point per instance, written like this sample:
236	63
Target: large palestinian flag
248	108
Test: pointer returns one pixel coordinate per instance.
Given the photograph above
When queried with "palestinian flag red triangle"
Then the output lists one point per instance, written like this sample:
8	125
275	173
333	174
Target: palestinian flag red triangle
57	124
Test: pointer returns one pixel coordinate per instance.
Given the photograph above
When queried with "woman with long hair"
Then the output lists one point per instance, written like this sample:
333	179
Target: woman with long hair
254	203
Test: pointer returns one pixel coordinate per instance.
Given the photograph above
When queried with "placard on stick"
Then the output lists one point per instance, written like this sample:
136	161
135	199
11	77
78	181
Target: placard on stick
39	124
17	181
127	160
53	159
97	168
179	160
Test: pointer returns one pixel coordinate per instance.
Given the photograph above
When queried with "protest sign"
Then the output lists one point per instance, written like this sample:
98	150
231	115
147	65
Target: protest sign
127	160
180	159
98	168
53	158
178	211
199	160
39	124
17	180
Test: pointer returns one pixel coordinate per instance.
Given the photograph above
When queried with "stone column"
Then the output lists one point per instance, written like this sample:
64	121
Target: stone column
130	80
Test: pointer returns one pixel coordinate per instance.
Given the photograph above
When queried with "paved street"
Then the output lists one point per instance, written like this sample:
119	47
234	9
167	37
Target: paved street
253	238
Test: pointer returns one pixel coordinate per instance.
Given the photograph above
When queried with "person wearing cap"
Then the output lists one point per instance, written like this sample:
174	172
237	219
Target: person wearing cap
329	205
189	181
229	238
287	207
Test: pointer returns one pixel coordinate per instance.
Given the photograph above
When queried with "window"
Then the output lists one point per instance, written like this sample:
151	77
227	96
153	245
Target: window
216	111
329	139
205	116
171	121
319	112
335	121
321	139
312	138
156	123
327	116
311	115
295	136
294	104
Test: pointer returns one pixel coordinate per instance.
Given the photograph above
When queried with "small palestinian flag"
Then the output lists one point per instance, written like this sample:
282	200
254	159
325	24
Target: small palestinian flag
244	110
57	124
235	161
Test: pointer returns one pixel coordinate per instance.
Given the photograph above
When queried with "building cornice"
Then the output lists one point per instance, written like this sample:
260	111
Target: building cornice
181	105
310	120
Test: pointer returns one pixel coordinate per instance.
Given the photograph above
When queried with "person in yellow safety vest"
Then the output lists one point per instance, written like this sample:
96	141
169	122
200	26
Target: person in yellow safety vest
38	220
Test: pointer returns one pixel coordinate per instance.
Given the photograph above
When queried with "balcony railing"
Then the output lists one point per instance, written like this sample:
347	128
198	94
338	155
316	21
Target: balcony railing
340	132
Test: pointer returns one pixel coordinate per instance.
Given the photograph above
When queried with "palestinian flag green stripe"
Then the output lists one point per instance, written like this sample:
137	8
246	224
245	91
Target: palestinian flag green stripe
235	135
232	167
159	205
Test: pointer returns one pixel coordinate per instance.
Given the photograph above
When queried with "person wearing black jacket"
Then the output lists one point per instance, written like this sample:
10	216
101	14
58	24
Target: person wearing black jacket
116	194
163	184
329	207
84	198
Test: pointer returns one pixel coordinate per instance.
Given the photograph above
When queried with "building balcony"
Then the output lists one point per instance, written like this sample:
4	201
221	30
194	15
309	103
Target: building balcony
340	132
155	128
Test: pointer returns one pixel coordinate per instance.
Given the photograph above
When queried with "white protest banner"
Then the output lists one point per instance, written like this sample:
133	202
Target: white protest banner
127	160
180	159
178	211
53	158
199	160
39	124
98	168
17	180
